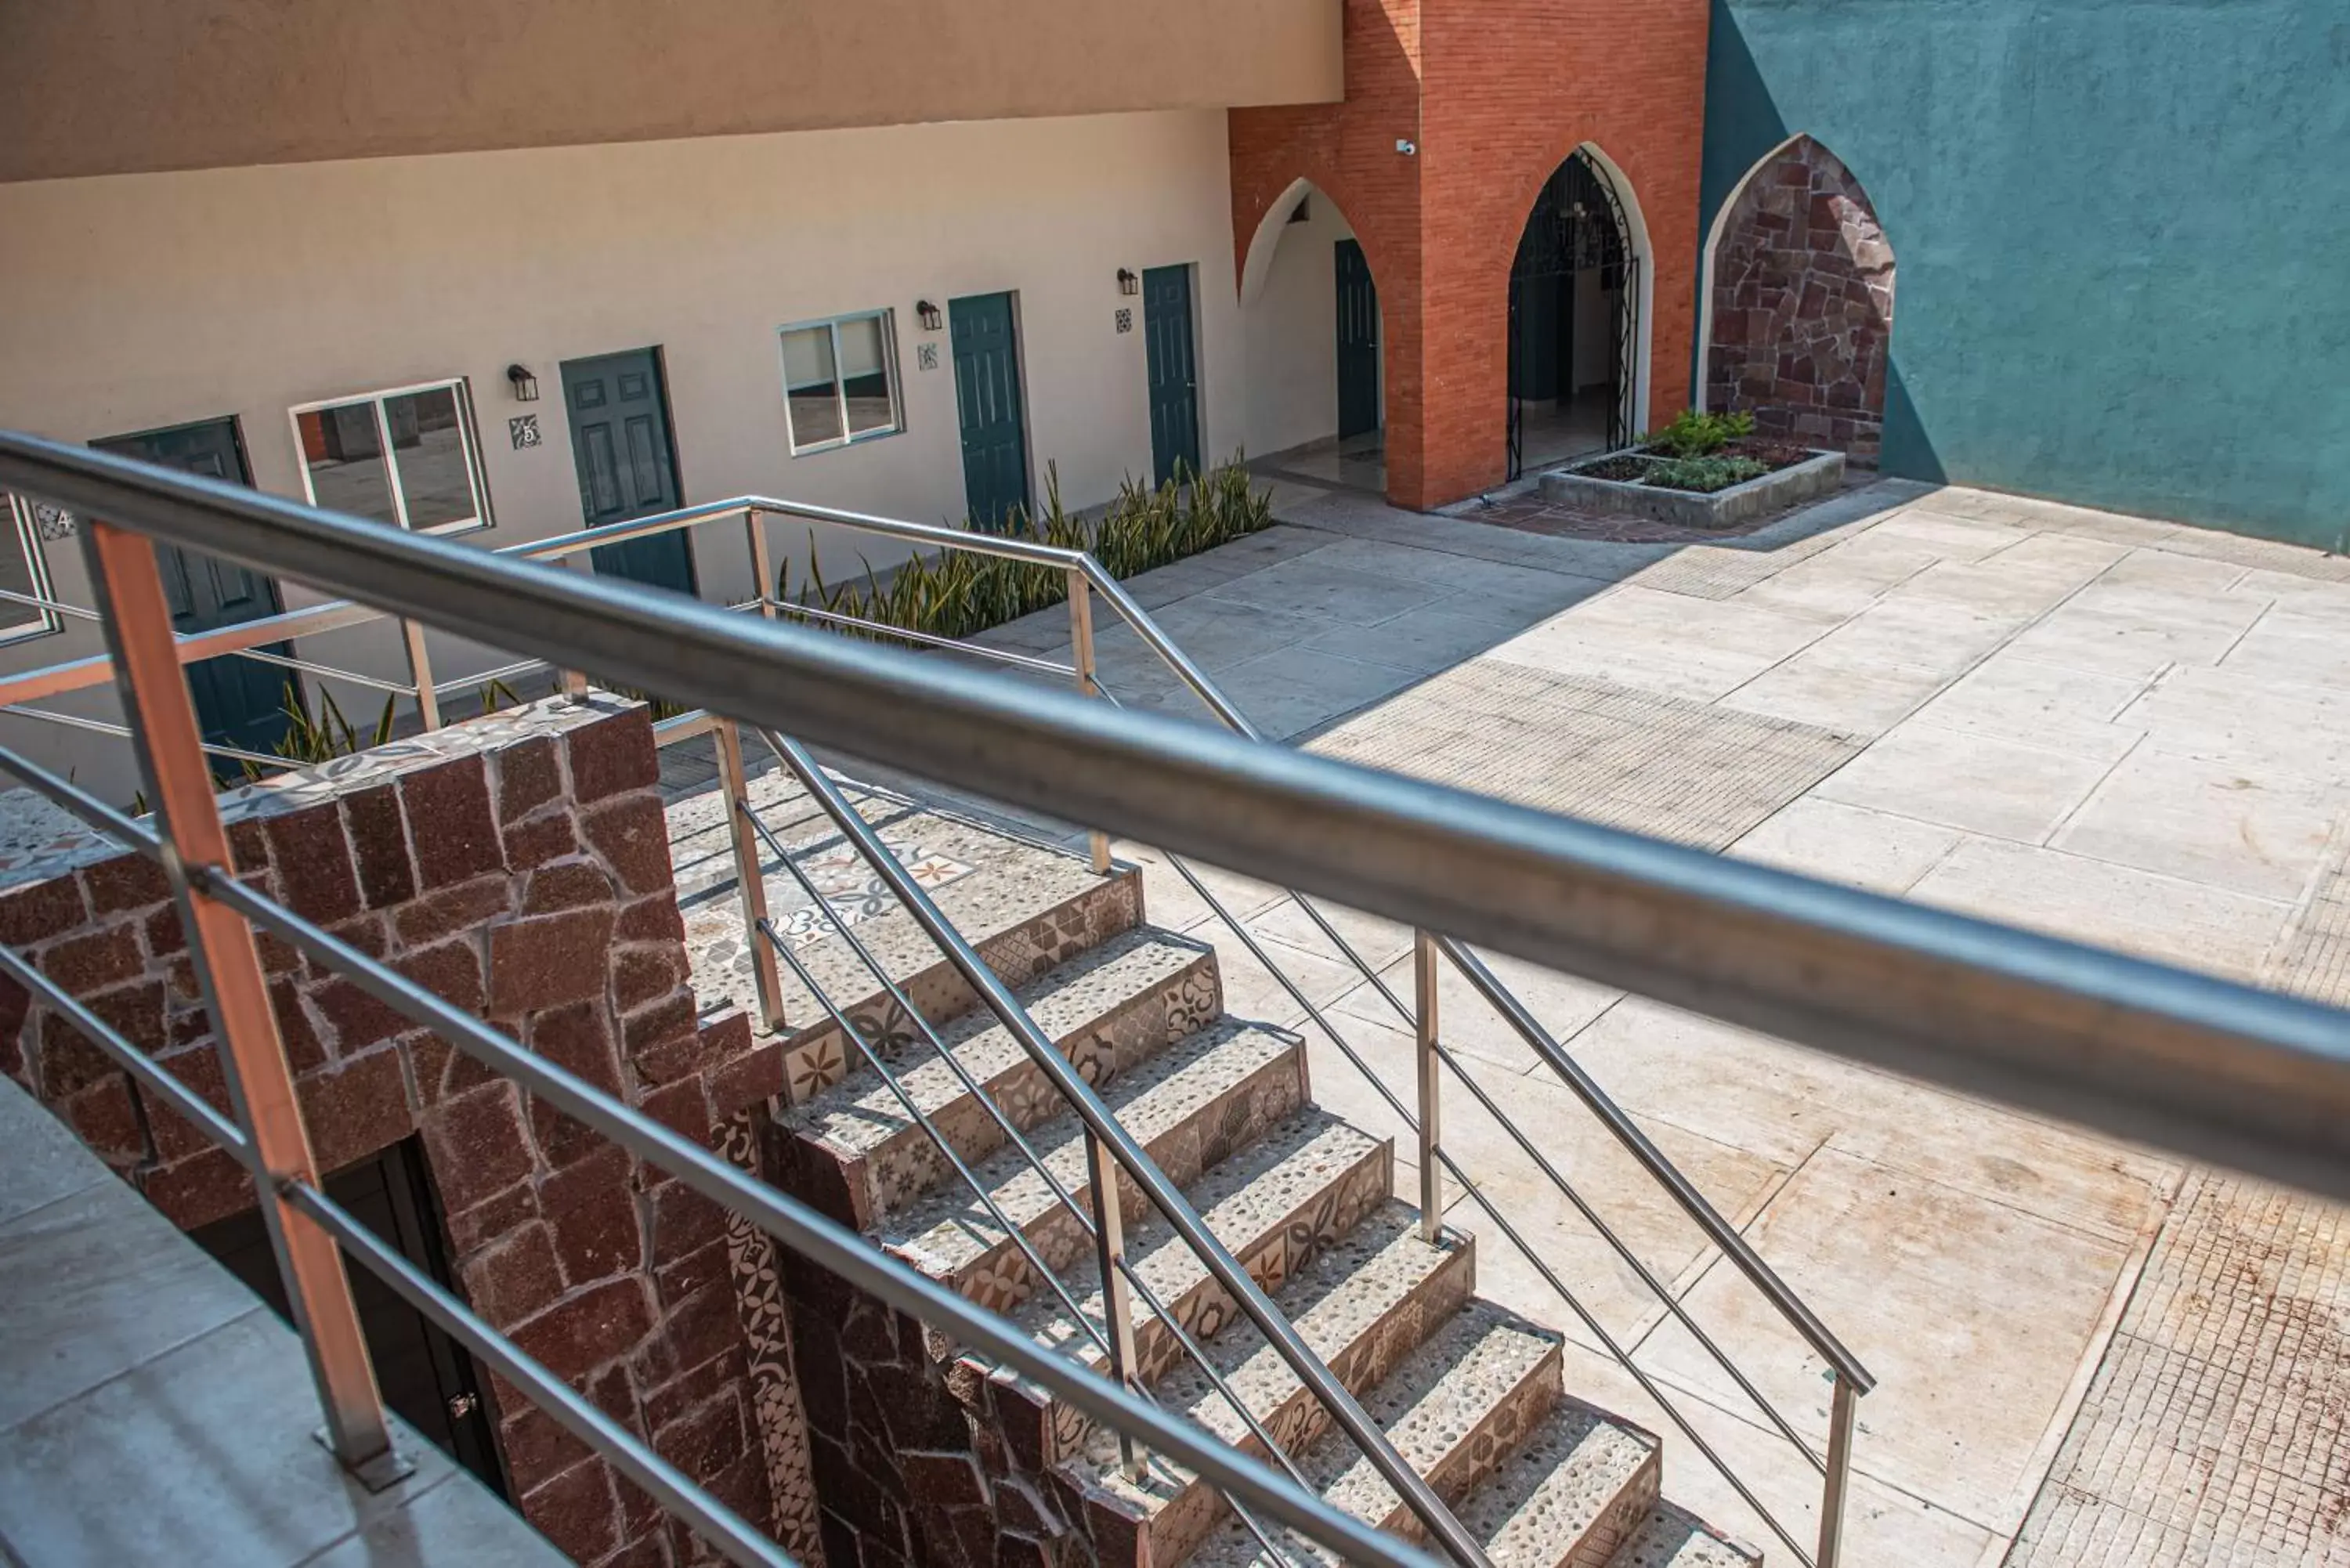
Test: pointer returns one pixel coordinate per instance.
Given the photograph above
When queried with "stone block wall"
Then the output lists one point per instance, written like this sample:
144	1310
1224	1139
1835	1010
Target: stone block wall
518	867
1802	306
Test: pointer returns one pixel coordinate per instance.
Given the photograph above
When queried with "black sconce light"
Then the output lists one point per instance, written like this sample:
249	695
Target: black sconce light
524	384
929	313
1127	282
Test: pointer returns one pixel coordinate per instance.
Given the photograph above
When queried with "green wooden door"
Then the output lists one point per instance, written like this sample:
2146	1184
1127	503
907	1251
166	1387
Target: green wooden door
239	702
987	400
628	468
1358	343
1174	371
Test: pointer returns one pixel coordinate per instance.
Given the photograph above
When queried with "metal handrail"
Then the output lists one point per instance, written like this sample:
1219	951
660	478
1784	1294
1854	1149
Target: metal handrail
823	1241
2204	1067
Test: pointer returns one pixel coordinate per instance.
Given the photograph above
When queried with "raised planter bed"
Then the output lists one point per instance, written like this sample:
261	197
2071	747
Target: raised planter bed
1611	483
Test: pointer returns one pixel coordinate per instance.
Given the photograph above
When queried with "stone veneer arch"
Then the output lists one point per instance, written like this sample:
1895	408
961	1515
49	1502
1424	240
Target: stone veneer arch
1798	303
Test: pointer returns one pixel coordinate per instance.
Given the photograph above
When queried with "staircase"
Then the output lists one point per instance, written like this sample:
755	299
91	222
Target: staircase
1471	1394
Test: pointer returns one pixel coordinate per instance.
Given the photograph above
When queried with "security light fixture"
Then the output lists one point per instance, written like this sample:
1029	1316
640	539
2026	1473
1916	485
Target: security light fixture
1127	282
524	384
1407	146
929	313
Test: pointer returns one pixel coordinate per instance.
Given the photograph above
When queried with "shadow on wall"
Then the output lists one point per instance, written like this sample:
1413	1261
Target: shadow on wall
1746	136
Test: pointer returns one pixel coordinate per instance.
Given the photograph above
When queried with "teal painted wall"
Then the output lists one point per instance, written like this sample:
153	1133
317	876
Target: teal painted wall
2121	230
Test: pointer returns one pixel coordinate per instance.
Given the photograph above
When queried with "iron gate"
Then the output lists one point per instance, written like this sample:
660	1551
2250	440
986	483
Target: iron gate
1577	223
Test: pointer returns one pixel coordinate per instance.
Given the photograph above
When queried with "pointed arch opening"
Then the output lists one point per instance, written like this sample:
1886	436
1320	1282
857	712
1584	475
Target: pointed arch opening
1579	304
1798	304
1311	318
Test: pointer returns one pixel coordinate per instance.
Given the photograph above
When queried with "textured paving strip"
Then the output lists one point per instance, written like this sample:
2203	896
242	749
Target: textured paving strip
1656	765
2218	1428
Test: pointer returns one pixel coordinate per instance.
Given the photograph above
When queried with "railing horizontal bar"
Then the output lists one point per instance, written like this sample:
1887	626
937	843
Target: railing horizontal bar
132	1060
823	1241
520	667
2200	1065
1003	546
55	606
675	1491
1627	1133
125	829
107	727
686	726
326	671
924	638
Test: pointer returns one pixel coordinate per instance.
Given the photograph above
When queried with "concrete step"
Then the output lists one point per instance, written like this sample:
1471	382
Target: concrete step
1027	907
1365	1303
1670	1538
1456	1409
1190	1107
855	1152
1572	1494
1279	1206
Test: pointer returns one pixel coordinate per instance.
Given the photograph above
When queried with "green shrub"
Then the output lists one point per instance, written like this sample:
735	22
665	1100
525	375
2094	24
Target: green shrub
1704	474
958	592
1695	435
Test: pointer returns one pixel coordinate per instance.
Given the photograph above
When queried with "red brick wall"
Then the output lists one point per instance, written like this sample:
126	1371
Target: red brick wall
1496	93
520	870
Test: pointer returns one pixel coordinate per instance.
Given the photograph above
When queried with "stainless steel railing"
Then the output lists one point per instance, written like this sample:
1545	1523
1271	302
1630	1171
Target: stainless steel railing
222	914
2205	1068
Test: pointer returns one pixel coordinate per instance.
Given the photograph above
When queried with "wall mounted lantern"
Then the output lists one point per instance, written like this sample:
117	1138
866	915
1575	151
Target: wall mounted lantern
1127	282
929	313
524	384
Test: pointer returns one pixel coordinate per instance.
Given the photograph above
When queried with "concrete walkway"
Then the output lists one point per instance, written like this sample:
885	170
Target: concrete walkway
2126	732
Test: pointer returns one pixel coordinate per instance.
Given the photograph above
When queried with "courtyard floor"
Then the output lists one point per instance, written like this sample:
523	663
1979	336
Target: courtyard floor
2128	732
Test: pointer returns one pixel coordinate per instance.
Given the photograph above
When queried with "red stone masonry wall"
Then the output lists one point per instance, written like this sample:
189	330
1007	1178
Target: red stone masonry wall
519	868
1496	94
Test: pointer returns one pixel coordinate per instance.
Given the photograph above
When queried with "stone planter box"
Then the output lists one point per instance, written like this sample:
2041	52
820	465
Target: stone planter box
1819	475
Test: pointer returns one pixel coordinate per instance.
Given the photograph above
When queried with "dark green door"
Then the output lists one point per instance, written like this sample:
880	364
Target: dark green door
1358	343
987	400
427	1377
628	465
240	702
1174	371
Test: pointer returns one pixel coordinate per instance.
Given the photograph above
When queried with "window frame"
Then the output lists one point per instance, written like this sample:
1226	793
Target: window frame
462	387
44	622
888	318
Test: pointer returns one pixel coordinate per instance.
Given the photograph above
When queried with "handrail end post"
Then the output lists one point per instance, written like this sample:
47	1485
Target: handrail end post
1424	1055
1081	655
750	875
1838	1487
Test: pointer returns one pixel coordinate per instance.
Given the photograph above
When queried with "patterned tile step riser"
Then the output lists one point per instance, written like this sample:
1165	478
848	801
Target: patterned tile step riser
1580	1491
1457	1411
1284	1240
855	1152
1237	1115
817	1055
1171	1506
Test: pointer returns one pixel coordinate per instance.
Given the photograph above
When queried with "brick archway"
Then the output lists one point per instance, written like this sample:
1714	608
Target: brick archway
1801	295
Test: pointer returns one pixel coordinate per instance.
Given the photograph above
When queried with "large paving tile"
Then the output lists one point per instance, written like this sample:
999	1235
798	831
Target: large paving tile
1838	689
2297	646
2233	824
94	1284
1883	1524
453	1523
1423	640
2047	705
1468	1023
1376	940
1303	586
2226	714
1973	1316
1169	900
1950	539
1850	844
1925	633
2136	631
1215	633
201	1455
2168	571
1662	642
1295	689
1979	782
2096	901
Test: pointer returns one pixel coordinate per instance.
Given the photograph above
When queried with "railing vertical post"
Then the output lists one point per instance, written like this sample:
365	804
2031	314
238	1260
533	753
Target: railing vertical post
1839	1475
575	682
260	1083
1110	1255
762	563
419	674
1081	655
1432	1170
734	785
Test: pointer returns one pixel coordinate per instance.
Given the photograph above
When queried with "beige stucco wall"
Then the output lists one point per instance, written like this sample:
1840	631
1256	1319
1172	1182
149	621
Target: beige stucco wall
151	300
105	87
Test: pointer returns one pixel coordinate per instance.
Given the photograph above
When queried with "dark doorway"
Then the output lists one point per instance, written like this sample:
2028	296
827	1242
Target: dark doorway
987	400
427	1377
1574	322
621	440
239	702
1174	371
1359	342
